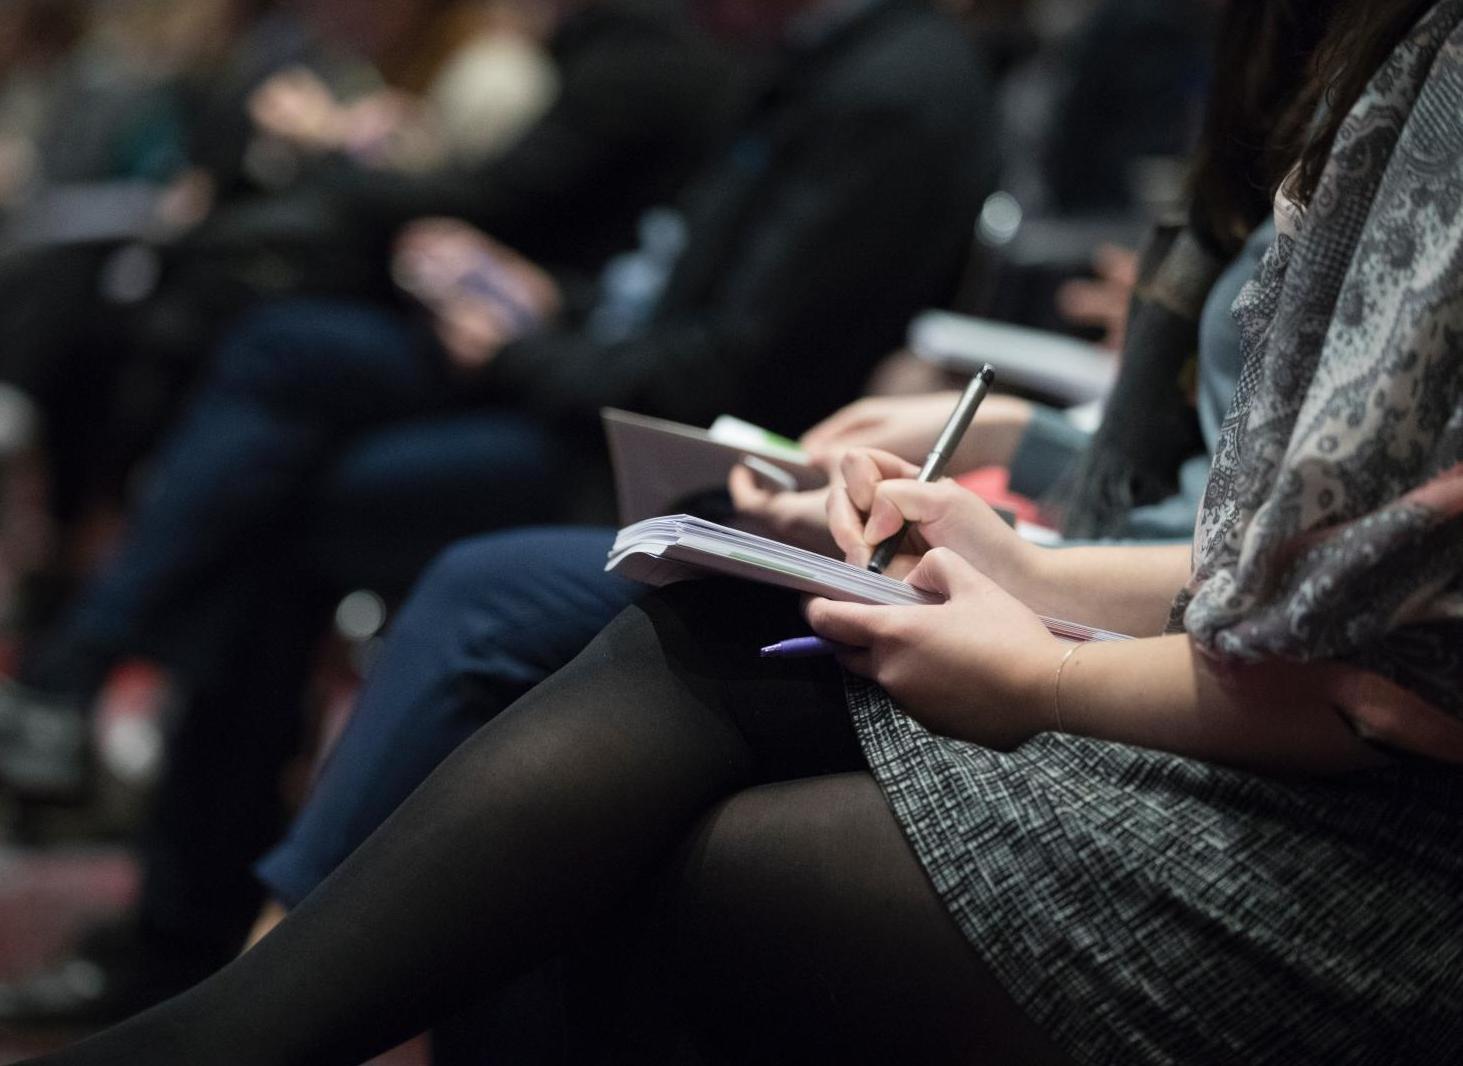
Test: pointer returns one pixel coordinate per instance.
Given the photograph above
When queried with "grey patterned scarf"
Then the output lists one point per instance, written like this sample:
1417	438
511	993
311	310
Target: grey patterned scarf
1332	529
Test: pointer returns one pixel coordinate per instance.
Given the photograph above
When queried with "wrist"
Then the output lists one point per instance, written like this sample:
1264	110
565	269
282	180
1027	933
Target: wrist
1032	692
1031	573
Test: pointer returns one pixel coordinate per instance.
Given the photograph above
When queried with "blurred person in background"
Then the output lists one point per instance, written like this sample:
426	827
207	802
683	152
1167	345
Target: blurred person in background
125	108
1099	108
493	82
770	294
249	220
36	36
1084	115
622	103
641	100
86	91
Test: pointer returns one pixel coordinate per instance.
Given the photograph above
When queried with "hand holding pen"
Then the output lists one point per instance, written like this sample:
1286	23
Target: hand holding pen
939	456
875	489
882	497
976	666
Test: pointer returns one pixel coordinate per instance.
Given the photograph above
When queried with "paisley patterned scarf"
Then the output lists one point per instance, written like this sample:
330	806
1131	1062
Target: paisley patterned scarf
1332	529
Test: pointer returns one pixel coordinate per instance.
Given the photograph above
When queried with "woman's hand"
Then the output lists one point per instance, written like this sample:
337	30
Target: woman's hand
797	518
979	667
904	425
877	494
907	426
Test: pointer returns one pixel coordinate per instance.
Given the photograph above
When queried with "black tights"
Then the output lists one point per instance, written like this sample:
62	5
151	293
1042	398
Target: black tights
800	926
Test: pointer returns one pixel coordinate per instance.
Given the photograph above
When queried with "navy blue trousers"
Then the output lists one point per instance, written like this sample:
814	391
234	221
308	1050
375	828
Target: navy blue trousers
489	620
311	407
326	449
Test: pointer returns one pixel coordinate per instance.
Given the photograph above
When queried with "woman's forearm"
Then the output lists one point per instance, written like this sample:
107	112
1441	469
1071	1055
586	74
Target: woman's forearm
1163	693
1128	589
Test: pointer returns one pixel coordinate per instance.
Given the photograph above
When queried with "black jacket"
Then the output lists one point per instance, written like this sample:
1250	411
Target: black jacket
844	205
642	99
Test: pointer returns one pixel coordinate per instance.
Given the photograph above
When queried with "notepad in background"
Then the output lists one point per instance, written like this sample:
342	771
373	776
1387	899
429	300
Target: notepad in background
671	548
1049	364
659	464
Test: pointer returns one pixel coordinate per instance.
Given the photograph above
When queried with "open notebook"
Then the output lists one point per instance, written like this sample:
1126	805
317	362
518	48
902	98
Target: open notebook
660	551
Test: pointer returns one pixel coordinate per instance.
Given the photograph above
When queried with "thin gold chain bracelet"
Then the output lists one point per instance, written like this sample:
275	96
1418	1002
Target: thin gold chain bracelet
1057	689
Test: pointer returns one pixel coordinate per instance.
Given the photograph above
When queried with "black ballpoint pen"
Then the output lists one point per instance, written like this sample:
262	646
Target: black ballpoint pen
934	467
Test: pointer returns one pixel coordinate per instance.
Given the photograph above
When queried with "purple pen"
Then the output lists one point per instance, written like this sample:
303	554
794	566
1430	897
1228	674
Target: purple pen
801	648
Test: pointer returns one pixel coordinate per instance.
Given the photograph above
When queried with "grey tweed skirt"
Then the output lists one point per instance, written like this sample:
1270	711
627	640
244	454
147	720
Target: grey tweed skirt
1146	908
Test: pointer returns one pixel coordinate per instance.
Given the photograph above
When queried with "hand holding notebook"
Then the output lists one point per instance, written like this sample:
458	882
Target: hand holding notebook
950	647
953	645
662	551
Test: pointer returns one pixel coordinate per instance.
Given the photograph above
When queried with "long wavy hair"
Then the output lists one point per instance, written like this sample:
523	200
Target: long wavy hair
1362	35
1288	72
1264	53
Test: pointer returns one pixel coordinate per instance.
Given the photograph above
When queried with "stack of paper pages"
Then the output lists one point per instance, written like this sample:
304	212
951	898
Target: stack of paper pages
660	551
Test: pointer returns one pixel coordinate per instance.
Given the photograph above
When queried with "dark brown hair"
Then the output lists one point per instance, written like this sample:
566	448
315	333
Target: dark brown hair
1263	62
1363	34
1287	74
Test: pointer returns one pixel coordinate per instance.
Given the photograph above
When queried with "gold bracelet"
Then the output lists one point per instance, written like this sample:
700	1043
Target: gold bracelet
1057	690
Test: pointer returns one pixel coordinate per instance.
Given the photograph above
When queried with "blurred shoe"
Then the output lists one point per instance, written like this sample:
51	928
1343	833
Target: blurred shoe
45	745
116	972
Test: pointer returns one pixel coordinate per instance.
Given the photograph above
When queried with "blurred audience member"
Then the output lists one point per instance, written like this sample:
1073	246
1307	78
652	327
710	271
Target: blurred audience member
767	291
104	335
35	38
494	83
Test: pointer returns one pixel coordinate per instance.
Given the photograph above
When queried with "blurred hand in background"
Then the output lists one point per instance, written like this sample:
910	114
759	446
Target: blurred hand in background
481	293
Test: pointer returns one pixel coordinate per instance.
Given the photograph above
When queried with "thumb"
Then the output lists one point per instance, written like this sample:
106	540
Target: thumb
945	573
853	624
